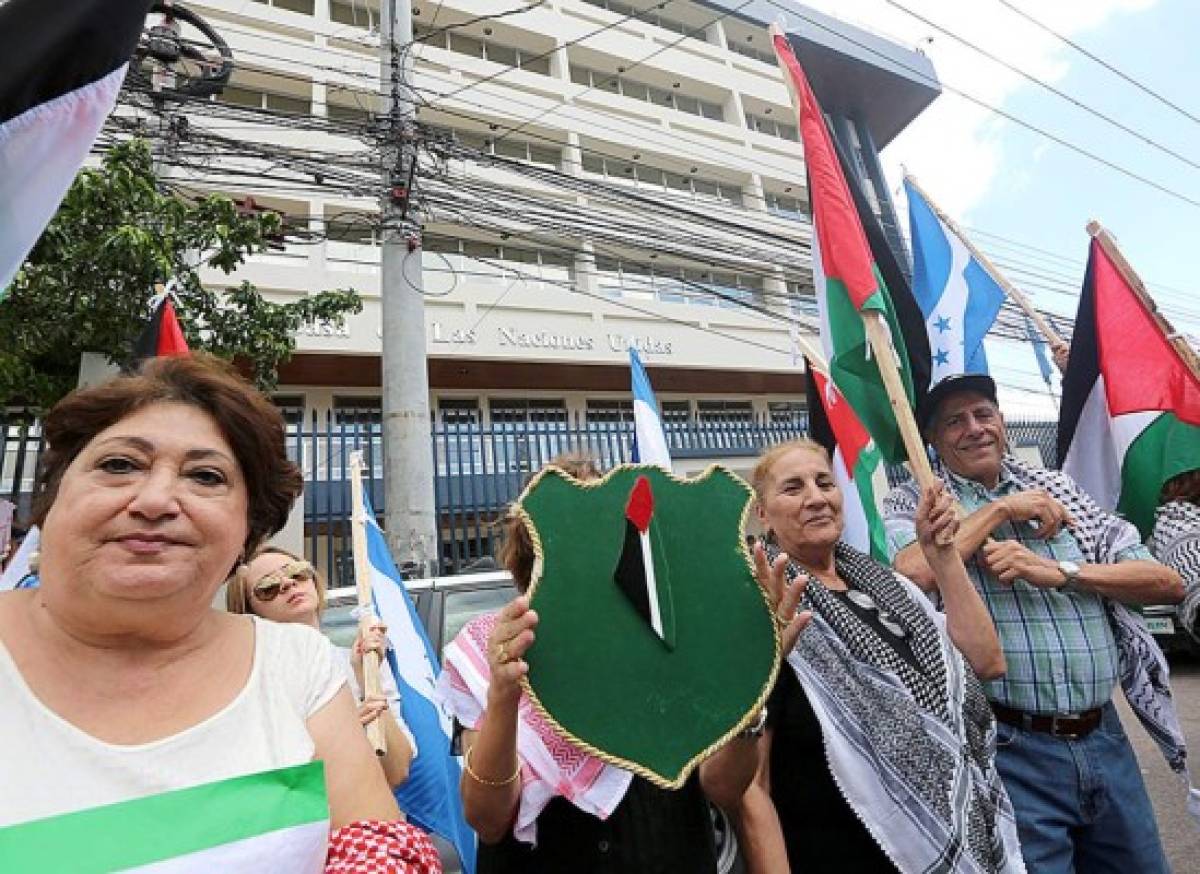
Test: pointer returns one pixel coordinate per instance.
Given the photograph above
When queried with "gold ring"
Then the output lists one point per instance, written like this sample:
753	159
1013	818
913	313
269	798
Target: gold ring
502	652
784	622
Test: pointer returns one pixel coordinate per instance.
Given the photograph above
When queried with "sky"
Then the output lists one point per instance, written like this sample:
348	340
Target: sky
998	178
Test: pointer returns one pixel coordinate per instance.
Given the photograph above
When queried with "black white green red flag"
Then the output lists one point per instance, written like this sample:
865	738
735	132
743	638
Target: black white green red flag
857	464
61	67
1130	416
845	274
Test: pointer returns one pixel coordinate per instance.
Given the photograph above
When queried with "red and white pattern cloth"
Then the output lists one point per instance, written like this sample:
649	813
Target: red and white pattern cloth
376	847
550	764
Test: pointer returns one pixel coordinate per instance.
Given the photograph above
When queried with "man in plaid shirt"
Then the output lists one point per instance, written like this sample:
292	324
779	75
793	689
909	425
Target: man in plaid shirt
1076	788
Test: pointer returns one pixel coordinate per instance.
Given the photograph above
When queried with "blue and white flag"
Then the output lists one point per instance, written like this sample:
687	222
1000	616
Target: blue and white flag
958	298
649	441
19	574
430	796
1039	350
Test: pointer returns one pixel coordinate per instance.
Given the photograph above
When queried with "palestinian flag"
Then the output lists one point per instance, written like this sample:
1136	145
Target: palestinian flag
640	574
847	279
857	464
162	336
1130	416
61	66
272	821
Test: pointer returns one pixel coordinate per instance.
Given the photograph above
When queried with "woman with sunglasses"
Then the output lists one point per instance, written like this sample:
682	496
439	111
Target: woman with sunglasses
879	750
281	587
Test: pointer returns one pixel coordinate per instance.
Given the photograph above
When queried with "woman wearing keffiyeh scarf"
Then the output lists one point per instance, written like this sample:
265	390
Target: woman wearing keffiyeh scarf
1175	541
879	751
541	804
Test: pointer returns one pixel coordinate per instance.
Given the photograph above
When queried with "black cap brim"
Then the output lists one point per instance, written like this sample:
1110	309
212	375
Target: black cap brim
979	383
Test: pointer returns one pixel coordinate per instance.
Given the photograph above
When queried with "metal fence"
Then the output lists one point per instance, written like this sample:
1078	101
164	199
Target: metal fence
479	468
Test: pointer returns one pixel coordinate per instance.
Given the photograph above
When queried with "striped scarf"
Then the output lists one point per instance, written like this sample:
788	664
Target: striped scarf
911	749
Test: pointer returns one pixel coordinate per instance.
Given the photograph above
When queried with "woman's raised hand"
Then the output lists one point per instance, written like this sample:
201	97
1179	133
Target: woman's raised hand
936	521
785	597
373	640
507	645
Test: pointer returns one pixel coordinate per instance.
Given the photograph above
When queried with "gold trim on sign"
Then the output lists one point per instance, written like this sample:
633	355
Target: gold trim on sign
749	717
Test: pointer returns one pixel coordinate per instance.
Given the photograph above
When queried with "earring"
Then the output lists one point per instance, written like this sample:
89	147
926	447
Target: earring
35	559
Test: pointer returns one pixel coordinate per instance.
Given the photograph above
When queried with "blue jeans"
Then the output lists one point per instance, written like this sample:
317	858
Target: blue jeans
1081	805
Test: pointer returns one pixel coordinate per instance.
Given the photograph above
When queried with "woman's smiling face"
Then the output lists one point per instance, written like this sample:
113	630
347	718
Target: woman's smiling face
801	502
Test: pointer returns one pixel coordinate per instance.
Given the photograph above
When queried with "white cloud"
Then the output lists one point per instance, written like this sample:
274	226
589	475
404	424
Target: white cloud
955	147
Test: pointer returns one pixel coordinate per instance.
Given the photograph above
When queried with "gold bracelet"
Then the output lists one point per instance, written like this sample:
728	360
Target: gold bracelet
484	781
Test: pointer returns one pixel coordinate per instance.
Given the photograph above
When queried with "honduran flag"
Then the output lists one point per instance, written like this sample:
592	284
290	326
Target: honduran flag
846	275
857	464
958	297
1130	414
649	440
270	821
430	797
61	66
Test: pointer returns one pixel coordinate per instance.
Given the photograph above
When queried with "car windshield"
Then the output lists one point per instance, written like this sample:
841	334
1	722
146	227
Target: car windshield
463	606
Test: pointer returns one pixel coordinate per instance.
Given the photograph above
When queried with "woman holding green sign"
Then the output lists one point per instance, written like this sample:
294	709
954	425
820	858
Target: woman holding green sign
879	749
541	804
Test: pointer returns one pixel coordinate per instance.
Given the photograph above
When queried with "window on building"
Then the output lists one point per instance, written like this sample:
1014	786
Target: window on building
275	94
358	424
750	51
802	299
771	127
651	16
650	176
676	412
534	152
670	98
789	413
458	441
609	412
305	7
786	206
724	412
292	409
531	431
487	49
355	13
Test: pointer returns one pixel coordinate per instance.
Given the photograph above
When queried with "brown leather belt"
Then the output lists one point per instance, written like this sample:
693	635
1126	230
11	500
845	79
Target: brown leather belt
1073	726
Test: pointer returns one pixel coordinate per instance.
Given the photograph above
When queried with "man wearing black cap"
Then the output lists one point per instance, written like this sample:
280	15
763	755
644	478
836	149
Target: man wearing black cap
1054	571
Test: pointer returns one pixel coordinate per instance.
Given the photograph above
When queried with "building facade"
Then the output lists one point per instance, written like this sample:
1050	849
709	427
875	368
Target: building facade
595	176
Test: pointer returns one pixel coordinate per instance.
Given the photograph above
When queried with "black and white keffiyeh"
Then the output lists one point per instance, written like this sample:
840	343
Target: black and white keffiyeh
1102	537
1175	541
911	748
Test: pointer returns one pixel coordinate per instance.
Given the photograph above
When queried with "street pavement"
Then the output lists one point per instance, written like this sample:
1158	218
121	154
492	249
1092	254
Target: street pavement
1180	835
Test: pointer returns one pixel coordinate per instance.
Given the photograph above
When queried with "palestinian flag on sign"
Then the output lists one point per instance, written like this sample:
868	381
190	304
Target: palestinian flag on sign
1130	416
641	572
162	336
271	821
61	66
846	276
857	464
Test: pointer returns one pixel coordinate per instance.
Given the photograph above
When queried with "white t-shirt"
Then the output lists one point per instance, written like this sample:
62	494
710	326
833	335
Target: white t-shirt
387	683
48	766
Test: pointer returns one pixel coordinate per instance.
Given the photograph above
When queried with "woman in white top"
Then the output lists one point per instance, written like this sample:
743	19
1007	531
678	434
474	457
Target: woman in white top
282	587
160	725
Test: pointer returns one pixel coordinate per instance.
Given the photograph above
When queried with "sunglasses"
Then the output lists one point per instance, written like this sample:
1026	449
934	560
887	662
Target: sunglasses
269	586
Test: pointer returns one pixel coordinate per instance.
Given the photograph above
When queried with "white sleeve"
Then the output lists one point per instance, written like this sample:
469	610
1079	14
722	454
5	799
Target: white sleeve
313	673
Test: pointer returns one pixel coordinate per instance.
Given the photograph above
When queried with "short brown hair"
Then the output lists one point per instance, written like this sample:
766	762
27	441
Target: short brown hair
238	587
249	422
771	455
516	549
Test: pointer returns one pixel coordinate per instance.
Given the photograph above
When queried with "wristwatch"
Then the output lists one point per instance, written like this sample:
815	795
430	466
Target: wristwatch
1070	570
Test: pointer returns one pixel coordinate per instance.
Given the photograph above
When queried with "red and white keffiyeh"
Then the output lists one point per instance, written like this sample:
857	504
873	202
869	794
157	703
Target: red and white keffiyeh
376	847
550	764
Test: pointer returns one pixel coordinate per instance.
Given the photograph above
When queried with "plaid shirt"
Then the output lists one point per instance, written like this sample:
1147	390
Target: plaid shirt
1058	643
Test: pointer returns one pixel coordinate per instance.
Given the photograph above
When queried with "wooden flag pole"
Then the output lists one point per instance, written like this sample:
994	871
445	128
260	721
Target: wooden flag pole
879	337
366	608
1181	345
1011	290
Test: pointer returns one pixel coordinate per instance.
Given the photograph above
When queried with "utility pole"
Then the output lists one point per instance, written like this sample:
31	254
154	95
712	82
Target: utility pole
410	519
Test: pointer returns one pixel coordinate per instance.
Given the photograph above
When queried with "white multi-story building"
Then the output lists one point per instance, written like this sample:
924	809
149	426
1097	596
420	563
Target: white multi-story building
663	189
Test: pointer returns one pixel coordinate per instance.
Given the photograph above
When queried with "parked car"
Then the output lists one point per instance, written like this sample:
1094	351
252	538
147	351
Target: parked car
1164	624
445	605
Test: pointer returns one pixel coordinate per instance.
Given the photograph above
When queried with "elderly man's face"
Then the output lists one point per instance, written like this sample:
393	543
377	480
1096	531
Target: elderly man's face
968	433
